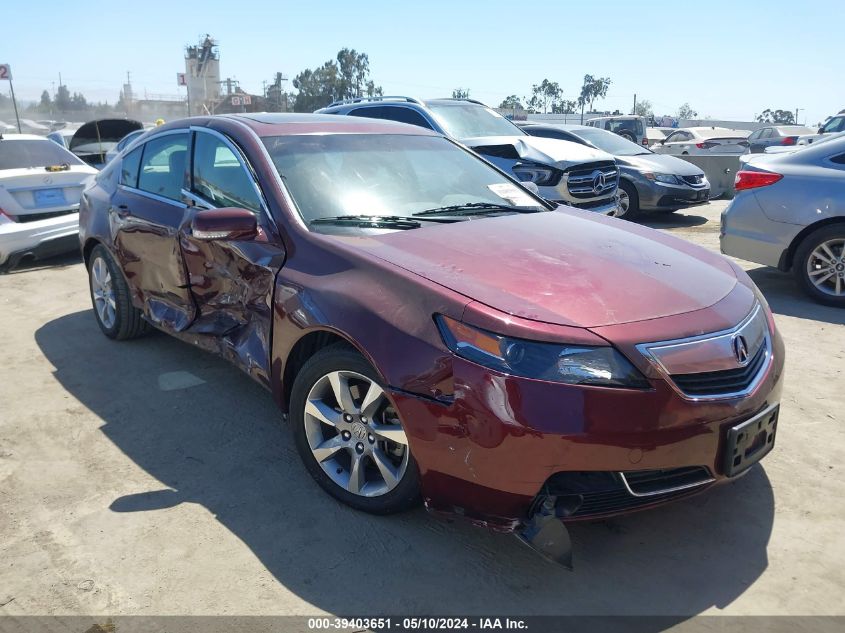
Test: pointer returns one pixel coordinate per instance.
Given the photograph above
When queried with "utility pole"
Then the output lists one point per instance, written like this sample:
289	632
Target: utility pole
634	111
796	115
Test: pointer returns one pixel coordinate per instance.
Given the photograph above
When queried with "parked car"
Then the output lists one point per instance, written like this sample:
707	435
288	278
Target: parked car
648	182
92	141
40	187
433	329
631	127
566	173
776	135
833	125
789	212
125	142
703	140
655	135
28	126
62	137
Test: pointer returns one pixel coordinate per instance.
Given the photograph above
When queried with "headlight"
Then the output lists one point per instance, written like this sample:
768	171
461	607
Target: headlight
571	364
541	175
667	179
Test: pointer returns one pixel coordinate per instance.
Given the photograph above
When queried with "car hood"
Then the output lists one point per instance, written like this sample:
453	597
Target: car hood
105	131
546	151
565	267
660	164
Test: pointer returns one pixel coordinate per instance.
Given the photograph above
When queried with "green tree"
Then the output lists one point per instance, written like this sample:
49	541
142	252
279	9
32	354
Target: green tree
511	102
62	99
564	106
460	93
643	108
784	117
45	104
686	112
592	89
545	95
346	77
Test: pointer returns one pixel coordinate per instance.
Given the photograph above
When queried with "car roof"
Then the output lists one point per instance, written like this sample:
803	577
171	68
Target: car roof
288	124
560	126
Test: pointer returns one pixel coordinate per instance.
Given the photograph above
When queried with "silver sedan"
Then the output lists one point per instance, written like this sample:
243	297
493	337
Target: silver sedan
789	212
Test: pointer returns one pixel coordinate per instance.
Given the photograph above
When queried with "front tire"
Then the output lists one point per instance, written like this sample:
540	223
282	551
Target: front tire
113	309
629	201
819	265
349	435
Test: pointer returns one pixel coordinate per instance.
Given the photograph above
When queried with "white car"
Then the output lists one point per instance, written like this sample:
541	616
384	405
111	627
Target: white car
834	125
41	184
703	140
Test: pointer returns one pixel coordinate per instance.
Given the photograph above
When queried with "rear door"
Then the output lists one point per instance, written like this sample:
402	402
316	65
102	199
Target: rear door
146	213
231	280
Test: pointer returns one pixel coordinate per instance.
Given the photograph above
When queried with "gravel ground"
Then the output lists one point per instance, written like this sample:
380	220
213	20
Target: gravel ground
150	478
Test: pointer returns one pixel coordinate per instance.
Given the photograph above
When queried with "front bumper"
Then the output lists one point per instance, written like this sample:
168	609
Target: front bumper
40	239
656	196
501	442
602	207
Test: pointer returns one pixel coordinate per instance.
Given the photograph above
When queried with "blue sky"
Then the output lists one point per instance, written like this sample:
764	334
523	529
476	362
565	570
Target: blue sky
729	60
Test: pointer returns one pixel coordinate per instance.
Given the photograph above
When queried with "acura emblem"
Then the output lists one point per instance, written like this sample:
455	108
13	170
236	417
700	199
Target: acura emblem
599	182
740	346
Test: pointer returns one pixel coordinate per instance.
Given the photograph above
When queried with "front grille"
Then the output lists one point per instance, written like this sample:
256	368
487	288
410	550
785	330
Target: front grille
719	383
694	180
582	180
590	494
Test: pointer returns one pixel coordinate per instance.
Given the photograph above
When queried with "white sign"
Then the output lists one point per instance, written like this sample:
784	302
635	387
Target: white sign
5	71
181	79
244	100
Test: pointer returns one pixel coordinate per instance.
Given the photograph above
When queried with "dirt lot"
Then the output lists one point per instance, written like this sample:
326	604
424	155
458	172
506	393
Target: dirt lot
150	478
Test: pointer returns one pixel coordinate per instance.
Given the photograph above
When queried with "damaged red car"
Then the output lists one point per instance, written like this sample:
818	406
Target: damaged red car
431	328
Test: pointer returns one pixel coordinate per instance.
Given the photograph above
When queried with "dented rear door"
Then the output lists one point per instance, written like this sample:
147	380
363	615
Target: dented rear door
231	280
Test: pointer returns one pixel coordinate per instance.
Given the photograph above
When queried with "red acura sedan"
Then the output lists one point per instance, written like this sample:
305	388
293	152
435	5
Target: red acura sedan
431	328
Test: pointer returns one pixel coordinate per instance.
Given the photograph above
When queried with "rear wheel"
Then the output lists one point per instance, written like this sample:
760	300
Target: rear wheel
627	135
629	200
819	265
349	435
113	309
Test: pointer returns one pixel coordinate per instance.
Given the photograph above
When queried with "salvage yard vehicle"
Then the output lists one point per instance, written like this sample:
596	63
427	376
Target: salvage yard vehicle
703	140
789	212
776	136
40	187
647	181
563	172
433	329
93	140
834	125
631	127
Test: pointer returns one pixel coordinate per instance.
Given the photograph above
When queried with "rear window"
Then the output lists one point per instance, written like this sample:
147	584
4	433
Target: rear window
34	153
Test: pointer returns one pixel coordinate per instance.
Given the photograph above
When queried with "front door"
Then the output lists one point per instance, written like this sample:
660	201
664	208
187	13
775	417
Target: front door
147	213
231	280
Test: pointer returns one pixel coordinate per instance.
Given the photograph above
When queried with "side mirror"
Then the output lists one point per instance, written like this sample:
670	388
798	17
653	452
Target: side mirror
821	130
532	187
228	223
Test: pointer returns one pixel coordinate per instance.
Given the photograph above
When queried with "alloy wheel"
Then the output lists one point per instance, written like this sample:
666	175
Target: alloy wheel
103	292
355	434
826	267
624	202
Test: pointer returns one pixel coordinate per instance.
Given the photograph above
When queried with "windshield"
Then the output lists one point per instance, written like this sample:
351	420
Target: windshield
34	153
469	121
610	142
386	175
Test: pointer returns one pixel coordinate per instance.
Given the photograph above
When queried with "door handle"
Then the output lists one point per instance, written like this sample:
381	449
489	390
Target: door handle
122	210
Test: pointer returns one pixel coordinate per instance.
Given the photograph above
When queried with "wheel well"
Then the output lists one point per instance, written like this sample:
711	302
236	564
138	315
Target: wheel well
304	349
90	245
789	253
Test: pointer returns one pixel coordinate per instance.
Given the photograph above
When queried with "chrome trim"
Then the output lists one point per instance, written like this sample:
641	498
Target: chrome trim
721	339
665	490
153	196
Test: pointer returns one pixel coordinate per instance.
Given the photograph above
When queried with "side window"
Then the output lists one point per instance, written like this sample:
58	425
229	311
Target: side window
839	160
392	113
163	166
220	177
129	168
754	135
766	132
676	137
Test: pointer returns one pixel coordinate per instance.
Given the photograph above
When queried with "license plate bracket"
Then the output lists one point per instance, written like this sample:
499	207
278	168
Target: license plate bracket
749	442
49	197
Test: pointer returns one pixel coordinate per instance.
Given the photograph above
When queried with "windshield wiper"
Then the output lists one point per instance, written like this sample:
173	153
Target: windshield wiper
473	208
374	221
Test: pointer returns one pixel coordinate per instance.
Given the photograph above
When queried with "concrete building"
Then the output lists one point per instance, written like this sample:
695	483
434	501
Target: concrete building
202	70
